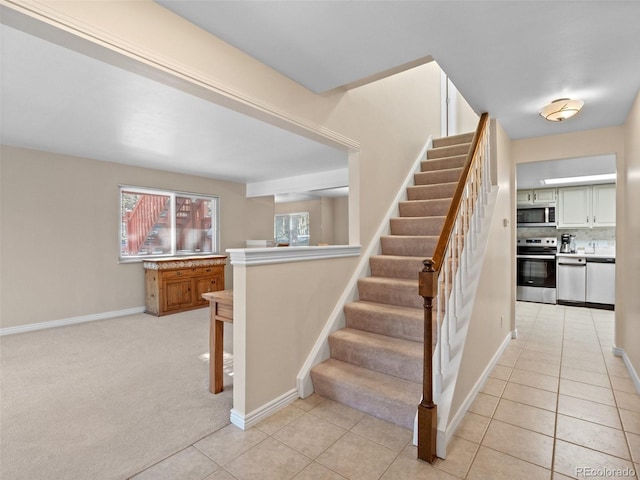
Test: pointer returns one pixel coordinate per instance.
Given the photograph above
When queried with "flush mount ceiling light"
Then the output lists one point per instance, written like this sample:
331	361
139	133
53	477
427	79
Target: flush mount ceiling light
561	109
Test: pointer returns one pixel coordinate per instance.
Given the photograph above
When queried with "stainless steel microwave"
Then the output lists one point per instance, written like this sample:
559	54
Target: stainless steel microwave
539	215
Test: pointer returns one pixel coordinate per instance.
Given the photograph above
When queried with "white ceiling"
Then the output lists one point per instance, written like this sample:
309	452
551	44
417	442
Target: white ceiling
507	58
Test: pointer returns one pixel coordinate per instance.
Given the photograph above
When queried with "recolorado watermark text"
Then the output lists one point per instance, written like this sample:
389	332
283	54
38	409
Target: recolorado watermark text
604	472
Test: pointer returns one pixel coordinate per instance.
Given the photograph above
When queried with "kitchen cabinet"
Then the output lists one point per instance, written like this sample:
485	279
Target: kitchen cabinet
604	205
587	206
176	284
531	197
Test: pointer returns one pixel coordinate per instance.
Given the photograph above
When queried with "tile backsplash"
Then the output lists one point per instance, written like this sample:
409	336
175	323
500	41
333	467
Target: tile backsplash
600	238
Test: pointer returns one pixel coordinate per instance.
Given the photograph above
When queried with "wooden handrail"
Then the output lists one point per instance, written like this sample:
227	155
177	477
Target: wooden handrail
428	289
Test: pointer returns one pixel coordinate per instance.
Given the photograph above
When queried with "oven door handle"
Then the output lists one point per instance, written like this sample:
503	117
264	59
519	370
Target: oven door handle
537	257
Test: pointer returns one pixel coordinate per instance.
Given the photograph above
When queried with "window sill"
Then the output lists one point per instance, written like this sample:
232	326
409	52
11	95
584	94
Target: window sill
271	255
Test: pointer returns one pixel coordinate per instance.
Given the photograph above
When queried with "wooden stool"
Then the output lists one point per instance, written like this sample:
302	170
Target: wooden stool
220	311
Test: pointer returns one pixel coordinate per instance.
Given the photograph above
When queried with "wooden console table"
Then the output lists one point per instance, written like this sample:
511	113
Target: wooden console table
220	311
176	284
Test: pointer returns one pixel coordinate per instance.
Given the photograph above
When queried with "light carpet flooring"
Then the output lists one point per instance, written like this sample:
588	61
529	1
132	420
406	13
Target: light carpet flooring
105	399
558	405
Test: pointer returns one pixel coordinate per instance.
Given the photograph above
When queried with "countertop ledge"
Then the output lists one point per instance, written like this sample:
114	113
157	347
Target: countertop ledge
587	255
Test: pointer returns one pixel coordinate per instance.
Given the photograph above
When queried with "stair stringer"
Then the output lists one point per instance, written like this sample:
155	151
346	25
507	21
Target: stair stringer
320	351
444	381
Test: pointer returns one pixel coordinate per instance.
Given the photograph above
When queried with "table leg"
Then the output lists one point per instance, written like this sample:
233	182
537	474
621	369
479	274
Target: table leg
216	347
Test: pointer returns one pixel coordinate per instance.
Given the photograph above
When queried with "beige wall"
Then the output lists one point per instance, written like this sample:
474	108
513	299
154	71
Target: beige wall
466	118
59	233
287	306
341	220
628	269
492	316
570	145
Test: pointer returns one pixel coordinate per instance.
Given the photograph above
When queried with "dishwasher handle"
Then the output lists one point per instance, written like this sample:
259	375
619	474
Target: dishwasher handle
572	261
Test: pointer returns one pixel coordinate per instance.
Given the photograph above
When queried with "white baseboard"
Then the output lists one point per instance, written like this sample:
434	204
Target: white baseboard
69	321
619	352
245	421
445	437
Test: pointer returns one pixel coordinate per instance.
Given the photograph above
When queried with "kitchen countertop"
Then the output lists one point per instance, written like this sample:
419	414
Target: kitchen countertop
587	255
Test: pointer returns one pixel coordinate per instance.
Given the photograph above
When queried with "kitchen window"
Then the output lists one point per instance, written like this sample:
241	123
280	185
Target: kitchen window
159	223
291	229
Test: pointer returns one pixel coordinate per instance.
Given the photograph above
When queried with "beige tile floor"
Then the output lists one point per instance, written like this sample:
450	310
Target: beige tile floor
557	405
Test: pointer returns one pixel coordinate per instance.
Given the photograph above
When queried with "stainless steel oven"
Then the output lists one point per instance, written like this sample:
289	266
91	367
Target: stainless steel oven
536	270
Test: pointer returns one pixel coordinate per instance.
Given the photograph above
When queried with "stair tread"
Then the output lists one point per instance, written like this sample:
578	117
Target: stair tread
453	139
370	382
410	236
441	169
390	281
377	340
423	218
382	353
385	307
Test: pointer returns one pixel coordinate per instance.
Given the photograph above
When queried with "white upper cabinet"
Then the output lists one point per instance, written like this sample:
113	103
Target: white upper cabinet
604	205
587	206
574	205
529	197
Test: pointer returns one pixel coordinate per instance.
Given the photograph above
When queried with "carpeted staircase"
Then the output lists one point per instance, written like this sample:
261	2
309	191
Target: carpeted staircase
376	360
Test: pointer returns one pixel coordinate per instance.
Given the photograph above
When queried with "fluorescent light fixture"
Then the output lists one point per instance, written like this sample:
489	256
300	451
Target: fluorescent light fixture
561	109
582	179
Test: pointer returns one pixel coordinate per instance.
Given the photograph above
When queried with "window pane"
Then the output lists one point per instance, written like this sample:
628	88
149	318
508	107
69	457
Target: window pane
281	229
292	228
146	224
300	229
194	219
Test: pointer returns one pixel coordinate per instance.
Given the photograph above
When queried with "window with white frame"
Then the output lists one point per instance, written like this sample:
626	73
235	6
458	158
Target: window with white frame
291	228
159	223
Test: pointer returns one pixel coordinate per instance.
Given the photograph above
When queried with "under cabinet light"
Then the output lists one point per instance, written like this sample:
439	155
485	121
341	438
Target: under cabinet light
582	179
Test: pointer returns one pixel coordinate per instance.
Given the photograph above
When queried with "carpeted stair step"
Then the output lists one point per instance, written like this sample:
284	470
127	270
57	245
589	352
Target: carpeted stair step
432	192
392	356
424	208
391	291
396	266
383	396
443	163
449	151
408	245
391	320
417	225
437	177
453	140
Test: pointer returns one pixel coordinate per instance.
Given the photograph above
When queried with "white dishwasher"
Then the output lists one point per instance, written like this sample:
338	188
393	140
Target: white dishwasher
572	280
601	281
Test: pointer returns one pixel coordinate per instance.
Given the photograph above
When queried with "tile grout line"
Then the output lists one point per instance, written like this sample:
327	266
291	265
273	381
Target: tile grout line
555	425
